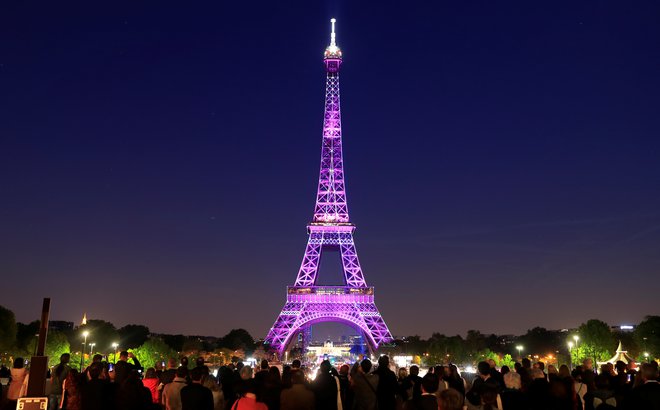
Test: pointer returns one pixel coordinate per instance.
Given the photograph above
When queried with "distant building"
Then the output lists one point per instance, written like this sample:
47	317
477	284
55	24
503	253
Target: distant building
329	349
506	340
623	328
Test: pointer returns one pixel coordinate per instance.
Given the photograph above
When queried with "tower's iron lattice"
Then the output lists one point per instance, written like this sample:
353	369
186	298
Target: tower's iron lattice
352	303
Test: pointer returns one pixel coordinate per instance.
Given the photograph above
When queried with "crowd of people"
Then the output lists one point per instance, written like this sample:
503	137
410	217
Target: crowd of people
363	386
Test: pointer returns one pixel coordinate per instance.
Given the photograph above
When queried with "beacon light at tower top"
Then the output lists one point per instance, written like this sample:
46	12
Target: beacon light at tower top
332	51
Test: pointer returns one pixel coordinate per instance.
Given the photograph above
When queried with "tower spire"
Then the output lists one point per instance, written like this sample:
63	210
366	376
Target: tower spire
332	34
332	52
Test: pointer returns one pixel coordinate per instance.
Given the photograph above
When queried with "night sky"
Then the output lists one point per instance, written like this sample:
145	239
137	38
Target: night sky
159	160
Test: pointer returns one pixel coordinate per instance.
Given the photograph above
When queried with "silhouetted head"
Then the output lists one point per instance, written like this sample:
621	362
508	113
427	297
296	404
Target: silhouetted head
451	399
264	364
365	365
430	383
182	372
384	361
150	374
325	366
196	374
483	368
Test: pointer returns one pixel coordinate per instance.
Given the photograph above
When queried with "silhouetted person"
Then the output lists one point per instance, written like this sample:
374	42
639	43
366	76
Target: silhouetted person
415	382
325	388
512	397
195	396
297	397
365	385
123	368
98	393
647	394
427	400
387	384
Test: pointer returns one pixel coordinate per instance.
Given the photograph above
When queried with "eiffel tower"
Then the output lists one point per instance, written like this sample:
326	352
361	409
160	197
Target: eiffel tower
353	303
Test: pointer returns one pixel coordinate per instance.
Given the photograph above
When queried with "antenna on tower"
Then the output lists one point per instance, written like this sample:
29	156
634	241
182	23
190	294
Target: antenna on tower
332	34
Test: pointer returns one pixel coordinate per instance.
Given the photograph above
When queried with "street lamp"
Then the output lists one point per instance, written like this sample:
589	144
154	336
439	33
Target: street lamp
519	348
646	356
91	348
114	346
82	351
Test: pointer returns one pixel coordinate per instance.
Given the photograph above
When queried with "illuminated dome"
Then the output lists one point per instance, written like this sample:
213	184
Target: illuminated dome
332	51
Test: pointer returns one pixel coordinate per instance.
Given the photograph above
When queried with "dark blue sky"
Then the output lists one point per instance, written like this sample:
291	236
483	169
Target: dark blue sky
159	159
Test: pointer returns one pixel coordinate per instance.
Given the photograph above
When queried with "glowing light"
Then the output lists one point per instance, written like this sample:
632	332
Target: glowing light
576	338
625	327
332	34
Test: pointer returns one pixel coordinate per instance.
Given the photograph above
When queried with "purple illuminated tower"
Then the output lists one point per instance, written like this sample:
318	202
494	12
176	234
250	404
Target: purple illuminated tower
352	303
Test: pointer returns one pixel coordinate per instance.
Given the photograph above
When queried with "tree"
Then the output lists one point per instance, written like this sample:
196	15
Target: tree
541	341
475	341
152	351
596	340
132	336
647	335
260	353
175	341
57	343
191	346
26	336
507	360
238	339
8	328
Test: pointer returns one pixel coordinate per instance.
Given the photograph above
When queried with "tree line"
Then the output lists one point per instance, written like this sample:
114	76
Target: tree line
595	340
20	340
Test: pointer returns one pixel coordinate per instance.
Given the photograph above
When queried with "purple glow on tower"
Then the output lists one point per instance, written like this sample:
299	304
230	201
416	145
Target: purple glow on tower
351	304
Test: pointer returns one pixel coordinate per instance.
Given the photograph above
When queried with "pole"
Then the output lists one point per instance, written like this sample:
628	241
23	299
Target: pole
39	366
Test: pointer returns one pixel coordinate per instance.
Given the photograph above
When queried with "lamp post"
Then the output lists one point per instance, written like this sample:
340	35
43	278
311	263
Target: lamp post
114	357
91	348
646	356
519	348
570	357
82	351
